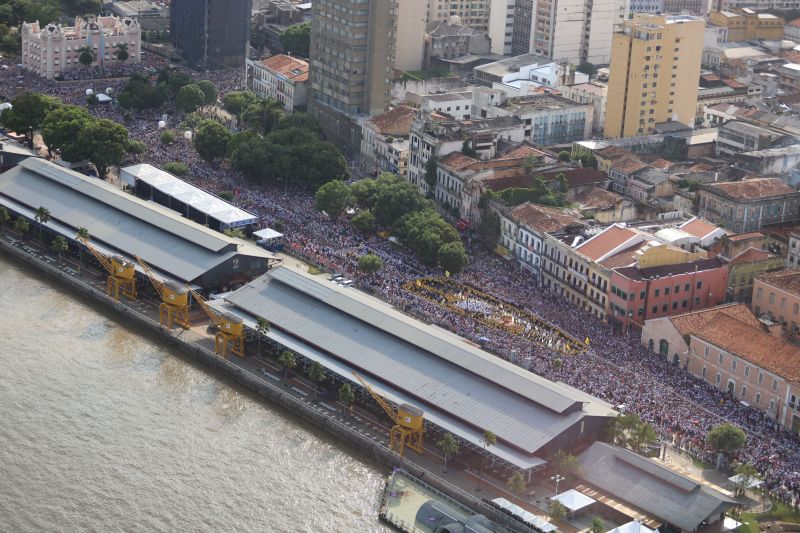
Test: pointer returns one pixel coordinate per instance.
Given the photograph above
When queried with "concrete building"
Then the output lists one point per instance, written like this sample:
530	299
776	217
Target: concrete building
705	232
211	34
793	251
755	366
445	40
573	31
384	141
655	67
548	119
53	49
748	25
647	6
355	47
282	78
493	17
743	268
760	5
665	280
777	295
737	136
526	72
791	30
595	94
457	105
747	205
770	161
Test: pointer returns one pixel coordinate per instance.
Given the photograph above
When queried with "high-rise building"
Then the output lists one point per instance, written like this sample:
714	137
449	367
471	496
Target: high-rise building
355	47
567	30
495	17
211	34
655	72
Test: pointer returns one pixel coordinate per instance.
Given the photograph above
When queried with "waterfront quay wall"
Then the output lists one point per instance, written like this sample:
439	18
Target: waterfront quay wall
314	415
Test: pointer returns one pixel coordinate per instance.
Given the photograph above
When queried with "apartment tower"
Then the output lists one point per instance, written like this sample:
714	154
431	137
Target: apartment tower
495	17
655	72
211	34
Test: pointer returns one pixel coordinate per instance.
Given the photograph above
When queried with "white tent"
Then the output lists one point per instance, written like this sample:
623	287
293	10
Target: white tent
752	483
267	234
5	105
103	98
524	515
729	524
633	527
574	500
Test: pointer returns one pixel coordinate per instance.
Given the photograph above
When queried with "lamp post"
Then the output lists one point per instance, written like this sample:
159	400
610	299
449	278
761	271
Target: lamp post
557	478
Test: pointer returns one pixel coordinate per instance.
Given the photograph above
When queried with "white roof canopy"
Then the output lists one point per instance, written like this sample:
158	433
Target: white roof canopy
198	199
633	527
751	483
574	500
267	234
530	518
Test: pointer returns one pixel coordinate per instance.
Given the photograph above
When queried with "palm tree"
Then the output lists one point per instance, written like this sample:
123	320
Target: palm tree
346	395
4	216
516	483
597	525
82	235
449	446
287	361
42	217
21	225
557	510
316	373
566	464
87	56
121	52
262	328
59	246
489	439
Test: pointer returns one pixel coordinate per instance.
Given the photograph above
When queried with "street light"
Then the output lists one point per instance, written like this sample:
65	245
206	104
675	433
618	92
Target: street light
557	478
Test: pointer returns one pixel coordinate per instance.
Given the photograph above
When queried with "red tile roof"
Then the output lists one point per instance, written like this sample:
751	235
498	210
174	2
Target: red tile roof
543	218
751	189
751	255
662	164
785	280
794	23
291	67
612	152
596	198
746	236
603	243
695	321
698	227
754	345
625	258
628	165
458	161
578	176
396	121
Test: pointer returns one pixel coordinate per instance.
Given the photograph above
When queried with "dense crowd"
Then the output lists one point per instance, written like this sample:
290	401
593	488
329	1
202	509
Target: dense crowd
615	368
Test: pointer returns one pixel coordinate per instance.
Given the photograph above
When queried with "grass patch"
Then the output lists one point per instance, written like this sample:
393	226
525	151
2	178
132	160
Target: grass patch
438	72
779	511
315	271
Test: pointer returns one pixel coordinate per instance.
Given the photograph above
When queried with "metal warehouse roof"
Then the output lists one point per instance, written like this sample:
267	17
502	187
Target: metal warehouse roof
430	364
652	487
198	199
169	242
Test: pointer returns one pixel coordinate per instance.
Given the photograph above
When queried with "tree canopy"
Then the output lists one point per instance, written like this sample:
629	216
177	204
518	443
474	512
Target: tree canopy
28	112
452	257
61	130
105	142
726	438
189	98
211	140
333	198
369	263
139	93
237	101
296	39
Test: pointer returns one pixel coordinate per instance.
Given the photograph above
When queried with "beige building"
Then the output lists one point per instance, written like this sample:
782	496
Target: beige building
776	295
282	78
495	17
744	24
50	50
655	68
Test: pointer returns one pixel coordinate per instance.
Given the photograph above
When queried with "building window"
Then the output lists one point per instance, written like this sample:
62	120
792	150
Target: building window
684	303
783	303
772	405
664	308
746	371
744	391
655	307
733	366
705	371
656	294
761	377
774	384
686	287
758	291
699	284
677	289
758	397
705	352
674	305
666	291
771	296
721	358
718	379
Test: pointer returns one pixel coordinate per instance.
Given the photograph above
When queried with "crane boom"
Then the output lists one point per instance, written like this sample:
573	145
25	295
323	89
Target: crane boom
99	256
159	286
378	398
210	311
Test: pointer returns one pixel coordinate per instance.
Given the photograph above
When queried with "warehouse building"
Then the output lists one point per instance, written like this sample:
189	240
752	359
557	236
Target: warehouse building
120	223
460	388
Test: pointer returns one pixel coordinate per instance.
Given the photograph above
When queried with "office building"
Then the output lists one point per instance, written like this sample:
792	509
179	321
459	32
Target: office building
569	30
211	34
655	67
355	47
494	17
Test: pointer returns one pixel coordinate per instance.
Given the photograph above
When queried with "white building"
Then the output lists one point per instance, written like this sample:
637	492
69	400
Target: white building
457	104
50	50
548	119
595	94
282	78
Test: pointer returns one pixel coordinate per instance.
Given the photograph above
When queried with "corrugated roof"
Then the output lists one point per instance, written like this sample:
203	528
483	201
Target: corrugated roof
169	242
430	364
648	485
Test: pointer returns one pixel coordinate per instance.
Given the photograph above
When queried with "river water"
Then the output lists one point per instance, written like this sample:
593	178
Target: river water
102	429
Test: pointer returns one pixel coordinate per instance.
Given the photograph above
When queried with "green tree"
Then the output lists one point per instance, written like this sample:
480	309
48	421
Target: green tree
189	98
83	7
262	328
316	373
4	217
167	137
431	169
263	116
296	39
42	216
597	525
369	263
121	52
288	361
82	235
565	464
237	101
747	473
134	147
104	141
255	157
468	150
557	511
389	197
489	439
28	112
516	483
211	140
726	439
564	155
424	232
587	68
87	56
59	246
302	121
364	221
21	225
449	446
234	232
643	437
176	167
61	130
622	428
346	395
452	257
333	198
209	91
139	93
316	163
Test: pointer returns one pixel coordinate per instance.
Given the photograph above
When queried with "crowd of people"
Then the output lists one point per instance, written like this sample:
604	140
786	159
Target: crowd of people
615	368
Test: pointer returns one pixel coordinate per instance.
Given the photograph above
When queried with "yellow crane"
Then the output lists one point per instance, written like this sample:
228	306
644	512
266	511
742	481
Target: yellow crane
230	328
121	272
174	307
409	422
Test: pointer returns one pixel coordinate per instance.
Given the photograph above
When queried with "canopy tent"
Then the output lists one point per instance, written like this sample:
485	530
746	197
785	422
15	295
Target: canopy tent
194	203
524	515
739	480
633	527
729	524
103	98
267	234
574	500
